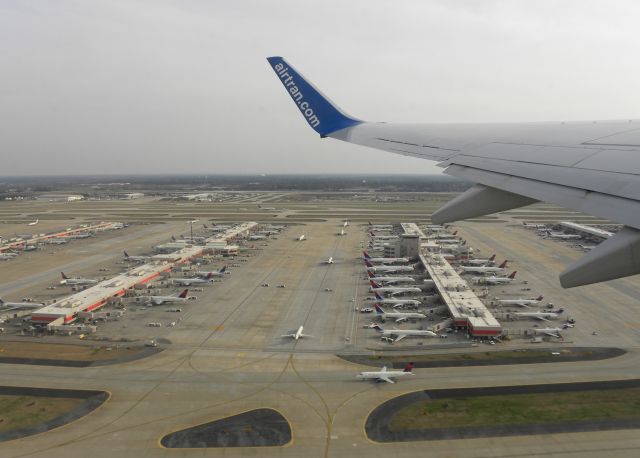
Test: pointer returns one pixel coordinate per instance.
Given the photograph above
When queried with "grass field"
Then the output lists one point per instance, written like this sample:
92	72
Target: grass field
480	356
17	412
513	409
69	352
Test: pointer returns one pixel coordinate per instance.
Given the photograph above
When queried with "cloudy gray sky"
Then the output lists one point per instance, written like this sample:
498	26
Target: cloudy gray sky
183	86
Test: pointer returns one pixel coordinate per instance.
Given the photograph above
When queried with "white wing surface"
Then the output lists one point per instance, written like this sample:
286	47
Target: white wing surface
592	167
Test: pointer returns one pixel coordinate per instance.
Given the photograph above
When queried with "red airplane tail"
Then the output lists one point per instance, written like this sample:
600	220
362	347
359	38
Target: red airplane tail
513	274
374	284
183	294
64	277
503	265
492	258
408	367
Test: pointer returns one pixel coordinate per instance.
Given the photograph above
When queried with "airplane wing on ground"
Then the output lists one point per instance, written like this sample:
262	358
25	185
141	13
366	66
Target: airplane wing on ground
401	319
400	337
540	318
386	379
553	334
591	167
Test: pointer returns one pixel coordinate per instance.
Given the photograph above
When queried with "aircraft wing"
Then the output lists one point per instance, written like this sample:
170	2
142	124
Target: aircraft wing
400	337
540	317
591	167
386	379
401	319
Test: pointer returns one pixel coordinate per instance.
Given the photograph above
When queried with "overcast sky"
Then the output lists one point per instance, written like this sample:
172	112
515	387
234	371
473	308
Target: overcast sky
183	86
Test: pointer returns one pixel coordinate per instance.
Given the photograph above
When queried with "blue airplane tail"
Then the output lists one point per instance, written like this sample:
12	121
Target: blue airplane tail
320	113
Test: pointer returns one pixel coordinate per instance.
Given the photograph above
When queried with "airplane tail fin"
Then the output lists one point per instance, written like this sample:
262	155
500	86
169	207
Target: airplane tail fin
183	294
368	263
126	255
492	258
379	311
408	367
374	284
513	274
539	298
378	297
366	255
503	265
64	277
320	113
370	274
455	233
223	270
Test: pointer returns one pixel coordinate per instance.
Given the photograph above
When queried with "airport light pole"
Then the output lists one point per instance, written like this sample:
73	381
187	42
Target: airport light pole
191	223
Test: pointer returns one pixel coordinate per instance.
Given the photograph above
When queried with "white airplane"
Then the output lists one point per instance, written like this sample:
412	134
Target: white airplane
329	261
391	280
373	268
482	262
521	302
383	260
587	247
342	232
383	375
393	290
388	334
158	300
212	273
534	226
544	316
587	166
301	238
398	316
7	256
296	335
562	236
484	269
7	306
553	332
188	281
267	208
445	236
493	280
396	302
33	223
257	237
76	281
346	223
127	257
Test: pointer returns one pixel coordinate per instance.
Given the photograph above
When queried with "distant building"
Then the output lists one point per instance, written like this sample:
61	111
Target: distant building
60	197
132	195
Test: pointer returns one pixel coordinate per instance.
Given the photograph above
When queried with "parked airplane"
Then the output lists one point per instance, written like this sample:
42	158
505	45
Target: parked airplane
396	335
76	281
520	302
598	180
484	269
383	375
301	238
127	257
396	302
544	316
346	223
383	260
267	208
257	237
553	332
398	316
373	268
188	281
562	235
445	236
587	247
493	280
393	290
482	262
390	280
7	306
212	273
534	226
329	261
7	256
296	335
342	232
33	223
158	300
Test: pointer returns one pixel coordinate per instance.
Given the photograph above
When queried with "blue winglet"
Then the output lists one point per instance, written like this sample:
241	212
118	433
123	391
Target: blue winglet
321	114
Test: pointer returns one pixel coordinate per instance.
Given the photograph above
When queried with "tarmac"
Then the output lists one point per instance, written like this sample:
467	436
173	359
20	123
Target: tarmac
226	355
